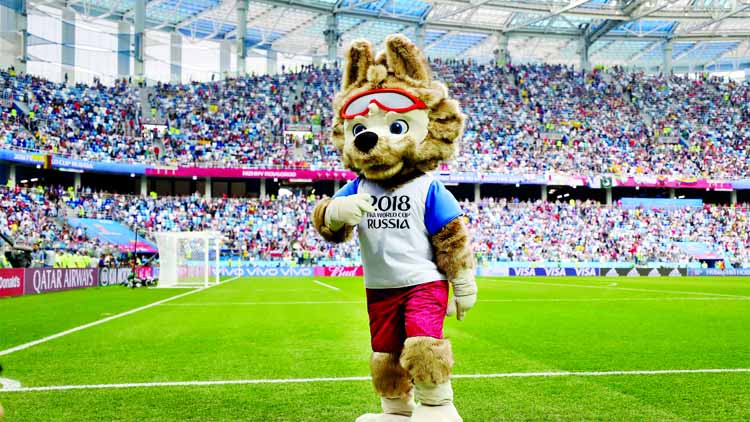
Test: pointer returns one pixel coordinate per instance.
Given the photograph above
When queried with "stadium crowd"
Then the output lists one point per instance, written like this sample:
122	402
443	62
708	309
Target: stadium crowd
278	228
522	119
35	219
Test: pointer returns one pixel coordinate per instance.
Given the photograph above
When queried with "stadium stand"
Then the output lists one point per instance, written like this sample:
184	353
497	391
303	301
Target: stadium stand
532	119
263	230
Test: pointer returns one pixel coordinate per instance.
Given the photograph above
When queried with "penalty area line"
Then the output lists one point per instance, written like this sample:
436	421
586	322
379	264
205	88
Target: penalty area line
18	388
630	289
320	283
107	319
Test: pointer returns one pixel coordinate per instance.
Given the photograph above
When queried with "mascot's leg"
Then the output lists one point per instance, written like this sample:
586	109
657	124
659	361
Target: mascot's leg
429	362
393	384
426	355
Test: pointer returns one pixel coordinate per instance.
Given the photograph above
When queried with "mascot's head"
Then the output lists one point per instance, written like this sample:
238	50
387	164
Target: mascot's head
390	117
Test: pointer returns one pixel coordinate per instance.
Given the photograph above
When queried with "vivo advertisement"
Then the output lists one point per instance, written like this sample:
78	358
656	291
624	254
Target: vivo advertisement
266	272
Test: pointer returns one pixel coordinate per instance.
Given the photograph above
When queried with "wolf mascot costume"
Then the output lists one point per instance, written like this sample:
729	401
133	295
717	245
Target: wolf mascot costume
392	125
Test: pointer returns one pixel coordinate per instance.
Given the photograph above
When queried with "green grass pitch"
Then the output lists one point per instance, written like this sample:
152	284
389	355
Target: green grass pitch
293	328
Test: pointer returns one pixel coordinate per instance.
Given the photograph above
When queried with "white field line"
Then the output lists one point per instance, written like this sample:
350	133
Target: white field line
320	283
631	289
620	299
324	302
592	299
9	384
364	378
107	319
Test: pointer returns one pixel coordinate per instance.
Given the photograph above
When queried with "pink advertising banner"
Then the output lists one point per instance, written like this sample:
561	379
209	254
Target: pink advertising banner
252	173
11	282
339	271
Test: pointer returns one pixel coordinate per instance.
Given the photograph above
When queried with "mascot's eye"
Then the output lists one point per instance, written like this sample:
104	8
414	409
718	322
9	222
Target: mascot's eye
399	127
358	128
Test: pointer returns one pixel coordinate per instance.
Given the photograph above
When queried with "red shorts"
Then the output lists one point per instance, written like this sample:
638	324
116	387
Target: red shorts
396	314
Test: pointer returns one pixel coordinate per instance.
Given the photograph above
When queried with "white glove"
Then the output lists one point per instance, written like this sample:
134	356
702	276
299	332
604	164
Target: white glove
464	294
347	210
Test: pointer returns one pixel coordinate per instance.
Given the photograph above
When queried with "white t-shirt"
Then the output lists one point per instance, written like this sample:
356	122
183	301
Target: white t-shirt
395	238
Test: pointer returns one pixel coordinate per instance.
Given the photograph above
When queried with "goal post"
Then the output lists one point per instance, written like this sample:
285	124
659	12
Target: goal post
188	259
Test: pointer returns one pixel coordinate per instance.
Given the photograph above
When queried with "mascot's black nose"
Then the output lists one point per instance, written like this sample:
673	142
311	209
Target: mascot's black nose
366	141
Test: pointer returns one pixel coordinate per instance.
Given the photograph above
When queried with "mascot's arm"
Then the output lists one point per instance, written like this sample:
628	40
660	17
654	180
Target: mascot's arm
319	221
335	218
454	257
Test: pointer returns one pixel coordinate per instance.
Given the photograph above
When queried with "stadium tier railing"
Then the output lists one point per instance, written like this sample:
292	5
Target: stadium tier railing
160	169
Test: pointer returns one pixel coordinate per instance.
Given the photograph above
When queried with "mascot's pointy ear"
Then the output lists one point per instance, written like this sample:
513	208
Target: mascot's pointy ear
406	61
358	58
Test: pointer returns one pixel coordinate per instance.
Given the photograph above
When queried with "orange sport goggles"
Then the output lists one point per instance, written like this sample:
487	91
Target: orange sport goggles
388	99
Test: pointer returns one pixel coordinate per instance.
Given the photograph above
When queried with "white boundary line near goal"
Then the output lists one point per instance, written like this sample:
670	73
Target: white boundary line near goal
632	289
107	319
367	378
320	283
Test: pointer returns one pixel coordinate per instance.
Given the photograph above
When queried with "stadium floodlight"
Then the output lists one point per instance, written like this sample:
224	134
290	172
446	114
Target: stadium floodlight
187	259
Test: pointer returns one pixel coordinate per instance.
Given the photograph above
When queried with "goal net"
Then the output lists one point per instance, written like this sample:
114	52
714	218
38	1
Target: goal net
188	259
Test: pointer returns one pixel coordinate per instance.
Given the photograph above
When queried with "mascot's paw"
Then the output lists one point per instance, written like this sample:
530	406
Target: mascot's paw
444	413
382	417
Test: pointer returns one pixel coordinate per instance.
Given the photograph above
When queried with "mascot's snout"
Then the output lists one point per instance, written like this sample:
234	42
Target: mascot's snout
366	141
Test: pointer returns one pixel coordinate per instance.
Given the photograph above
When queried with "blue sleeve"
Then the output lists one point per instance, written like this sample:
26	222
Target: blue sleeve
348	189
441	207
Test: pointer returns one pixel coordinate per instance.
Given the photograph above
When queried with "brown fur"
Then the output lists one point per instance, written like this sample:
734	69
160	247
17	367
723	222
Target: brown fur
453	251
406	61
359	57
400	179
388	377
428	360
402	66
319	222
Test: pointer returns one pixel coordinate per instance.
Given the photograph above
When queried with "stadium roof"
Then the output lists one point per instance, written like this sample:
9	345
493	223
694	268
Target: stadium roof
703	32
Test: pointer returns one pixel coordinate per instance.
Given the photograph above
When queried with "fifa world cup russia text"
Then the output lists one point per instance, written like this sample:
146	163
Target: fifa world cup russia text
391	212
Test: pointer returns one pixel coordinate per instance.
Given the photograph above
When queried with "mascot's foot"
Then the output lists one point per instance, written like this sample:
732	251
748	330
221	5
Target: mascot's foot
383	417
443	413
394	410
